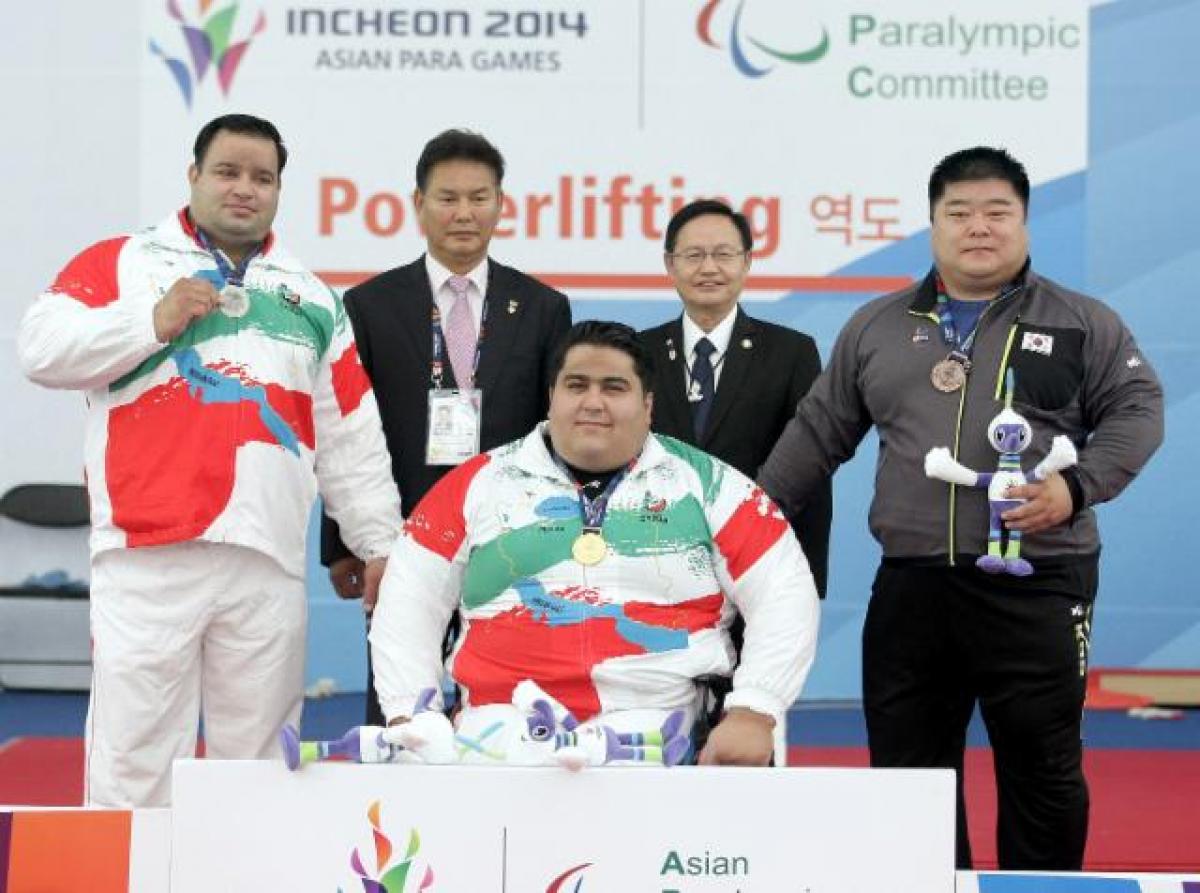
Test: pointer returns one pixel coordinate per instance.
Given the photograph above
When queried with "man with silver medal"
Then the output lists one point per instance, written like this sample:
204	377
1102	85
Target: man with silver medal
212	426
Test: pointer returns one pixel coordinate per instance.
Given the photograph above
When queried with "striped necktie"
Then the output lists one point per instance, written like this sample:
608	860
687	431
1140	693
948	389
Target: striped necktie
461	337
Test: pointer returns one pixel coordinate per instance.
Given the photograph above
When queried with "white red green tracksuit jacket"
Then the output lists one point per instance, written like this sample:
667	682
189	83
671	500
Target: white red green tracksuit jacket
690	540
225	433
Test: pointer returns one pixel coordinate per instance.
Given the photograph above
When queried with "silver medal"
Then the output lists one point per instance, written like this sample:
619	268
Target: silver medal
235	302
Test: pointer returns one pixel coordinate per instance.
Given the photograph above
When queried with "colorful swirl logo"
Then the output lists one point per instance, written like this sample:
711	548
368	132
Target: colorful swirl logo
559	884
738	42
390	875
209	44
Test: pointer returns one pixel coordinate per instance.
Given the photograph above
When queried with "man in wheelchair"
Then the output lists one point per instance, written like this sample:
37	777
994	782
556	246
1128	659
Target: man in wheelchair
604	564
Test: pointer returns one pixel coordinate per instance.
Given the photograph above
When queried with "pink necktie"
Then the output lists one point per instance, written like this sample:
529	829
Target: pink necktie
460	332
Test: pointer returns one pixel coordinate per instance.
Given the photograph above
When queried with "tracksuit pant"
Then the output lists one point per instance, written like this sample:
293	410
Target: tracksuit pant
181	630
939	640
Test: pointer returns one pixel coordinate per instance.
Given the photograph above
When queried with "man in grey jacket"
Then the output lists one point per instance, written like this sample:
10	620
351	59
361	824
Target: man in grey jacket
927	366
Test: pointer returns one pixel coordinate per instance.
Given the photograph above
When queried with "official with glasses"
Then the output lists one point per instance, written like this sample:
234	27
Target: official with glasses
724	381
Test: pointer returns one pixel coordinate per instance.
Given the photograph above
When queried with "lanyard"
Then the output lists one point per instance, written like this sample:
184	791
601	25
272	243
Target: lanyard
233	275
437	363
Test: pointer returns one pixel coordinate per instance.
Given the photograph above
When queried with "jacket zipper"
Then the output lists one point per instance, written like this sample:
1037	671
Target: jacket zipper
962	404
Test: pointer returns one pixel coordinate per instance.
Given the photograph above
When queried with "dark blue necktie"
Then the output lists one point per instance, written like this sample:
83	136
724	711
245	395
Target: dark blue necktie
702	380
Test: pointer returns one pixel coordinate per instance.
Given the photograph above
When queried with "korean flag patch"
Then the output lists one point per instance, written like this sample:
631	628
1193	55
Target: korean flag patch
1038	343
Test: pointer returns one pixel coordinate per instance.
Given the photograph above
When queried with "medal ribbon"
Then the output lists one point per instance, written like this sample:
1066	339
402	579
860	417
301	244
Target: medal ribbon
961	346
233	275
593	510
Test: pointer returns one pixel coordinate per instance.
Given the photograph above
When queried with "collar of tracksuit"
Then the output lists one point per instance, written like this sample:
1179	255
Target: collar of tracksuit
925	299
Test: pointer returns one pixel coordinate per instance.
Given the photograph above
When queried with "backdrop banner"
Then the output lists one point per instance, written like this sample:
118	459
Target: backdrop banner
818	120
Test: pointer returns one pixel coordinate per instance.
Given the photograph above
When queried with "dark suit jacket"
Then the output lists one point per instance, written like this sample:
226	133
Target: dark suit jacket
766	371
391	314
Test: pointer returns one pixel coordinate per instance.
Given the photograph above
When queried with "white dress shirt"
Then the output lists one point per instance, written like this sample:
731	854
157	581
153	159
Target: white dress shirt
439	278
719	337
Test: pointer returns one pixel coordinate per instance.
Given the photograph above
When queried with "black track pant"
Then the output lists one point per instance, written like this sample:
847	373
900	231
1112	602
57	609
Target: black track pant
938	640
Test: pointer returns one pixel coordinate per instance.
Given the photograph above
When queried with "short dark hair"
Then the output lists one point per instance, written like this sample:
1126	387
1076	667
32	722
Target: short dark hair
247	125
978	163
700	208
602	333
458	145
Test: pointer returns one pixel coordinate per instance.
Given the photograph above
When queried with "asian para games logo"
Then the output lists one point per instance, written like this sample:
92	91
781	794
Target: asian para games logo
559	884
390	875
738	41
209	44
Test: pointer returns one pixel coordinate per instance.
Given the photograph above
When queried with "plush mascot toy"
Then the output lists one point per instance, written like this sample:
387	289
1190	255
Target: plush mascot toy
1009	434
427	738
535	730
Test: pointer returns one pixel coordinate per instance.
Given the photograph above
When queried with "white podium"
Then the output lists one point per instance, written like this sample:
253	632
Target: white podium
255	826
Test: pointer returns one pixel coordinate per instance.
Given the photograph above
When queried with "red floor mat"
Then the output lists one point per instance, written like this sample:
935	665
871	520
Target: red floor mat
1145	805
41	772
44	771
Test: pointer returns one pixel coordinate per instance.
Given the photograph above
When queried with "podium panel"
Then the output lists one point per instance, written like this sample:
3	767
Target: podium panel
398	829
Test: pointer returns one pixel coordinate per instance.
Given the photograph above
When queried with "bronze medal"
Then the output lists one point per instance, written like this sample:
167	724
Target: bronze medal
589	548
948	376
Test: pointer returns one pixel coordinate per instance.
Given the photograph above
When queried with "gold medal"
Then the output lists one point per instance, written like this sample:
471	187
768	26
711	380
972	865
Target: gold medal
589	548
948	376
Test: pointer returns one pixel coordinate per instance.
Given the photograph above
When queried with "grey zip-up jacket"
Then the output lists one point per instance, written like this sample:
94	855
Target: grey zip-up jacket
1078	372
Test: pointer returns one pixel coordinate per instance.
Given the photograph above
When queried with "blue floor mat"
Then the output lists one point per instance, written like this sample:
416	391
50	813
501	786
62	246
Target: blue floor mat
811	724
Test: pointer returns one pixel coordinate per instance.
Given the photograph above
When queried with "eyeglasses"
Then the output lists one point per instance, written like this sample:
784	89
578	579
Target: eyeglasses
694	257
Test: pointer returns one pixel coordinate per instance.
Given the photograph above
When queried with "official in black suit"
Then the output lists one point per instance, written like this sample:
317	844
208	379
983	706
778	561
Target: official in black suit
733	396
517	321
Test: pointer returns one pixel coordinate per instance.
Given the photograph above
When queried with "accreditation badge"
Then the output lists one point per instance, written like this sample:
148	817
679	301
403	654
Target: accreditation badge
455	418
